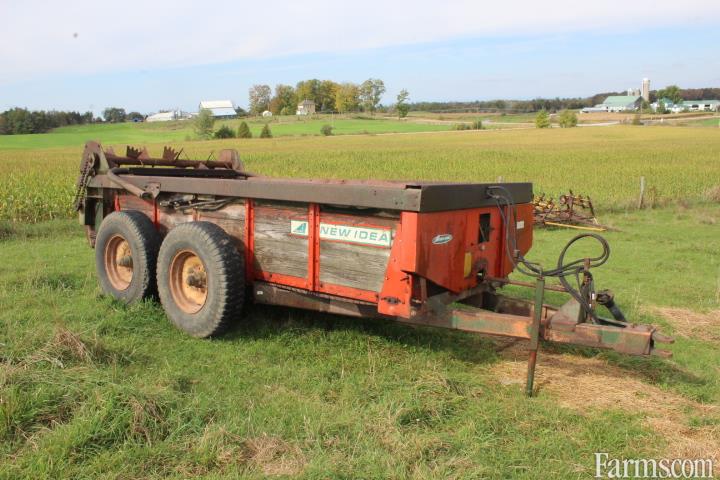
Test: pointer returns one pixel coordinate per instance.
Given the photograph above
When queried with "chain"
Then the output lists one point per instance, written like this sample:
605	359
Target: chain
81	184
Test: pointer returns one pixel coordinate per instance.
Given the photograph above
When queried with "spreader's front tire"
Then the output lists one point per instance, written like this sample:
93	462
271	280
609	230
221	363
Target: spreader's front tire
201	279
126	250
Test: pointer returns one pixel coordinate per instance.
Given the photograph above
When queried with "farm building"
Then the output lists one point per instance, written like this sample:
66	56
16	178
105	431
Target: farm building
306	107
622	103
219	108
168	116
701	105
616	103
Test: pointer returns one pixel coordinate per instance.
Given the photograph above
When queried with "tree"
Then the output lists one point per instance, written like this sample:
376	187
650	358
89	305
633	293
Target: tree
265	132
672	92
309	90
347	97
259	96
135	117
371	92
244	131
284	100
203	124
114	115
326	95
224	132
568	119
240	112
542	120
326	130
402	106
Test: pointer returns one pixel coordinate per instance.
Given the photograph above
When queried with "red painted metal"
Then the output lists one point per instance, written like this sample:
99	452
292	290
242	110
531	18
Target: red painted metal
249	239
314	246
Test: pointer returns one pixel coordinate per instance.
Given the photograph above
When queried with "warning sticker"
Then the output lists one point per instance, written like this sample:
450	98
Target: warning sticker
378	237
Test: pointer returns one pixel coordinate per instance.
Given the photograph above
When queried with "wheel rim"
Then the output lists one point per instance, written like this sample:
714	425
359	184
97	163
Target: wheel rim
188	281
119	262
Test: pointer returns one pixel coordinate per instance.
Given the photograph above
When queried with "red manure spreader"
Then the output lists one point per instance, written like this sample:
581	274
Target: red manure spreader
208	237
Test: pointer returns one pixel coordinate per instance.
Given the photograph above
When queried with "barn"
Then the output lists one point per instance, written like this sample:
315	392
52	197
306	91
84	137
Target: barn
219	108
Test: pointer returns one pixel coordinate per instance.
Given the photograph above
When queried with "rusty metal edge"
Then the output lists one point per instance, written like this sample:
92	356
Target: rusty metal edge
424	198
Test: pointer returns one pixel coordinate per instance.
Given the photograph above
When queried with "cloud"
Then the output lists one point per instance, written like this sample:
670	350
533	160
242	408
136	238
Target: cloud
41	38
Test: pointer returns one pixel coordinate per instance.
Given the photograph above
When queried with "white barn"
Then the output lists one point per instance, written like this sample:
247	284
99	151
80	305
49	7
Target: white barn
168	116
219	108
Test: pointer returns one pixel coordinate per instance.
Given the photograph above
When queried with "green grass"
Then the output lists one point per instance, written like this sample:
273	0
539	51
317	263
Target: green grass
705	122
158	132
91	388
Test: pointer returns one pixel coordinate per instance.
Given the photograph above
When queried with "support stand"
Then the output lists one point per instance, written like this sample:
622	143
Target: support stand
535	334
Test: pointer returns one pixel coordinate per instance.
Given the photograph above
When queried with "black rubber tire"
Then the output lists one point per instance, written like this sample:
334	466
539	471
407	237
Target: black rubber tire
224	267
144	241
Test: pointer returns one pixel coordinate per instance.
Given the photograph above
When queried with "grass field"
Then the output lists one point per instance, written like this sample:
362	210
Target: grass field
680	164
90	388
183	131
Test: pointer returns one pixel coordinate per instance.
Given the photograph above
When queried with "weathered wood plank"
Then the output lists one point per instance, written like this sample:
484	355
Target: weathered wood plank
355	266
350	264
230	218
276	251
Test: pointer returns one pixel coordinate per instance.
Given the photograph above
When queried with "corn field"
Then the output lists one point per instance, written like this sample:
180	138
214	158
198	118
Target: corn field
680	164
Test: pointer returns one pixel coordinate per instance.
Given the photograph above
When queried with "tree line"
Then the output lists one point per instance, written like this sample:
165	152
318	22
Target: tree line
673	92
18	121
327	96
22	120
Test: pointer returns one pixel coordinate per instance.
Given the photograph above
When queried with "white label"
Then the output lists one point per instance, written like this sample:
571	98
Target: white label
442	239
377	237
520	224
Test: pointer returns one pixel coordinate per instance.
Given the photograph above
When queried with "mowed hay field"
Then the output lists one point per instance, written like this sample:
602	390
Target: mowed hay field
91	388
680	164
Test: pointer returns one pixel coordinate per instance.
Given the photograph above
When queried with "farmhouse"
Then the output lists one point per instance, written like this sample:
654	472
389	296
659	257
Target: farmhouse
306	107
219	108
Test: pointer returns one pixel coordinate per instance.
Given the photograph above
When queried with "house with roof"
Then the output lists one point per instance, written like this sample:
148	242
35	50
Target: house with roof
306	107
219	108
667	103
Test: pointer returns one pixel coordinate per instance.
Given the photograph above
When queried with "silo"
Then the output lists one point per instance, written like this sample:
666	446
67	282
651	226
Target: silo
646	89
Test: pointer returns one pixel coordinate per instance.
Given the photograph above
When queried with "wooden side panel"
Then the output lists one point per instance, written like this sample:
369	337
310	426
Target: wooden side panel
353	266
349	263
131	202
231	218
276	250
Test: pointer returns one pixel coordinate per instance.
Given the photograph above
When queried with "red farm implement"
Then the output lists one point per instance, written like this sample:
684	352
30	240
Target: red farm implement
207	235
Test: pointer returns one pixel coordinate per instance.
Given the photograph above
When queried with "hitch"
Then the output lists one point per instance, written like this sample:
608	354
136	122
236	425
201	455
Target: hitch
487	312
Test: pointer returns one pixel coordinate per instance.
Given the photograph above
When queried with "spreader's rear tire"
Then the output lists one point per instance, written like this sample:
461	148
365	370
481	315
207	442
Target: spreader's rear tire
126	251
201	279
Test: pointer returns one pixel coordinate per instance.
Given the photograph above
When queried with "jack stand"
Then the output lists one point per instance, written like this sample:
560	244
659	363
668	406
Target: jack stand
535	334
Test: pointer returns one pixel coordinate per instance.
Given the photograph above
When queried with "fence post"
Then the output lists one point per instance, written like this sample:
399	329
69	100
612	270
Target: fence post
641	199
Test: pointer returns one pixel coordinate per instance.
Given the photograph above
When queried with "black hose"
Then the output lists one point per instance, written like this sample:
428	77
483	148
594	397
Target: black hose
562	269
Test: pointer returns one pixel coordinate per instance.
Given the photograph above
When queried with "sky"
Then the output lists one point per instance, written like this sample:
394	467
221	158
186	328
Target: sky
159	54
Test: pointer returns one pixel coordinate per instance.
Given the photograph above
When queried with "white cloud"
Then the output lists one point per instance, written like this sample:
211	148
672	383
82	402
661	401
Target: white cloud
38	37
